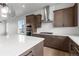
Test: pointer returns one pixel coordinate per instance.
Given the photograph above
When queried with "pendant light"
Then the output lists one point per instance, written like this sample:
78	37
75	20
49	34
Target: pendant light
6	12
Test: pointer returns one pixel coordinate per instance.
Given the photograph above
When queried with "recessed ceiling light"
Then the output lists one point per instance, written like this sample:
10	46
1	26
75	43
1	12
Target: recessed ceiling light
23	6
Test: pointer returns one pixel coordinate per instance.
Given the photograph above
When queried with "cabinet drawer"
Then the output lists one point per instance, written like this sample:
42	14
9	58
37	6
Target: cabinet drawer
27	53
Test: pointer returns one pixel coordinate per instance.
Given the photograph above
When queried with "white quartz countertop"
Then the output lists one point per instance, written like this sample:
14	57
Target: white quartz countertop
75	39
15	45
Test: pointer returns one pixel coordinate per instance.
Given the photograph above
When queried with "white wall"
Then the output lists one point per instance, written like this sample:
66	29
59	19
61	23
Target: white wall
1	28
47	27
11	27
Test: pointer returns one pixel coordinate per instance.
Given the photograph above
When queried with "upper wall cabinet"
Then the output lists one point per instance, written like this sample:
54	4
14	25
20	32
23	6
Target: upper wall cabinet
34	21
66	17
30	19
58	18
38	20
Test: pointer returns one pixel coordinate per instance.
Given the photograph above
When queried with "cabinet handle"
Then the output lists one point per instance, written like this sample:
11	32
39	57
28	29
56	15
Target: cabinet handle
32	55
76	49
28	53
63	25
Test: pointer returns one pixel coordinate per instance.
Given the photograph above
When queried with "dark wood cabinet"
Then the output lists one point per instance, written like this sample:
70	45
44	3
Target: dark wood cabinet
57	42
66	17
76	14
30	19
73	48
58	18
69	17
63	43
34	21
38	20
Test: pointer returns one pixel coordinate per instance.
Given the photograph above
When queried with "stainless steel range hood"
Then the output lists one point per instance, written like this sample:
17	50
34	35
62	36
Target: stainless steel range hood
46	14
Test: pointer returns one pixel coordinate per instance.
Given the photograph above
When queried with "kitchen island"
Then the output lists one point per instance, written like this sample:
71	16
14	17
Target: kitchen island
21	45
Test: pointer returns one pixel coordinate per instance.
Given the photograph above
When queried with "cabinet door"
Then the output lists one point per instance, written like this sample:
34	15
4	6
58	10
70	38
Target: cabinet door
58	18
31	20
69	17
38	20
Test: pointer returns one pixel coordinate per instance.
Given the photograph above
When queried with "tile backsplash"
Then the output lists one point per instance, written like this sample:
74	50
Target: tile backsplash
47	27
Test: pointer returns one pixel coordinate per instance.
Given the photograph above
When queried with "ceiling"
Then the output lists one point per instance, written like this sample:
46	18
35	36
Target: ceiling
20	9
26	8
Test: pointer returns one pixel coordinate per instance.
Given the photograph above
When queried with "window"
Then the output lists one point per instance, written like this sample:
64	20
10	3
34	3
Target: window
21	26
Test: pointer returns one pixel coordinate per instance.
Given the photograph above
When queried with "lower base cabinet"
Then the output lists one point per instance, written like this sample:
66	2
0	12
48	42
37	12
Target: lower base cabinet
58	42
54	41
37	50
